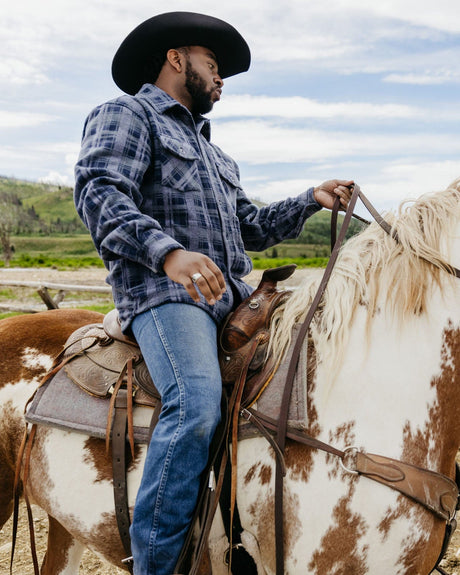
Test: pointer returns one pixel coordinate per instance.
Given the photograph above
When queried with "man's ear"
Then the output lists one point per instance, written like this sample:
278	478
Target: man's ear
174	58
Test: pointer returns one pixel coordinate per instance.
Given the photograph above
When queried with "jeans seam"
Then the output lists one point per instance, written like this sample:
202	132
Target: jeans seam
172	444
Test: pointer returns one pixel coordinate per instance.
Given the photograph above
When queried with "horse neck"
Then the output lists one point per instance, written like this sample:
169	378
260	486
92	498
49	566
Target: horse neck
397	391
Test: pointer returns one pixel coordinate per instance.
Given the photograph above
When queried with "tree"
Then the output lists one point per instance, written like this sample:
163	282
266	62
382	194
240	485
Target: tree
10	215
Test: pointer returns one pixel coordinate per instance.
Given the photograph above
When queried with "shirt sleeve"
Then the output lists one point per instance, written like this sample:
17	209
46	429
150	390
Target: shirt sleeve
115	155
264	227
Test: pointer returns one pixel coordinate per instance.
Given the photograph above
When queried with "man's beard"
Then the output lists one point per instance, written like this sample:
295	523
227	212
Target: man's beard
201	97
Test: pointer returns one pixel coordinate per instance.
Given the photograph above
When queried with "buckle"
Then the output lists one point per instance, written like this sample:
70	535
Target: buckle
227	552
348	461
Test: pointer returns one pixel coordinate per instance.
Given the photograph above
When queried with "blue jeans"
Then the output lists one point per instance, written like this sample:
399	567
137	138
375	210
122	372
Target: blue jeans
179	344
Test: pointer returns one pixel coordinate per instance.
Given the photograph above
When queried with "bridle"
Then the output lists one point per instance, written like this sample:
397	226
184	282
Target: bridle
281	426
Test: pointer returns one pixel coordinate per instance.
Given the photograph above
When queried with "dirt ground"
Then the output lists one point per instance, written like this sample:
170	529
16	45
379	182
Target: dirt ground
91	564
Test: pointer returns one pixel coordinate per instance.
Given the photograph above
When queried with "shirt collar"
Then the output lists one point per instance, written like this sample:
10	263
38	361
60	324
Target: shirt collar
163	102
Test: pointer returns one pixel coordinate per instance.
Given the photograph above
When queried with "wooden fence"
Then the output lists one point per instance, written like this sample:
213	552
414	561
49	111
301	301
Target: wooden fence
43	291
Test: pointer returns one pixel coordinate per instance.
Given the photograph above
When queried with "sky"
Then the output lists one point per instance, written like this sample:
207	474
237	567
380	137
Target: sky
350	89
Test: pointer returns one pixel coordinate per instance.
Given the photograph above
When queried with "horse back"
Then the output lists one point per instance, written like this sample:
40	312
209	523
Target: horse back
27	338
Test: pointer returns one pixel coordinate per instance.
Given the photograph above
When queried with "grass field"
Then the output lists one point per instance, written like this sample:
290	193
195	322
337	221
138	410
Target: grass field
77	251
62	252
22	298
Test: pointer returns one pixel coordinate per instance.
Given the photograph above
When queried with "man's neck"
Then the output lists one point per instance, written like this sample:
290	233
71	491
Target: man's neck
178	93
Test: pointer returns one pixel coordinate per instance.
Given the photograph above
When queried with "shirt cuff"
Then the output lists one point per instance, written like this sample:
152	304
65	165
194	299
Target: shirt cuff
310	199
162	247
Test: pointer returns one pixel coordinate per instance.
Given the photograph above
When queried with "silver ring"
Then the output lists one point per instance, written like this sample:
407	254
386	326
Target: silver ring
196	277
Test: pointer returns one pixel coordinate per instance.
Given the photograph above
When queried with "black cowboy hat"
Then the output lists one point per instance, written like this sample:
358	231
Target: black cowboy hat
173	30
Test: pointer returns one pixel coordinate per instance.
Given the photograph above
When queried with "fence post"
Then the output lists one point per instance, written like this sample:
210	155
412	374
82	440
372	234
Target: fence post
49	301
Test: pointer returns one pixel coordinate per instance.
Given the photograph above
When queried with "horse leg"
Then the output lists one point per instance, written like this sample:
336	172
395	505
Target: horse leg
6	493
63	553
7	472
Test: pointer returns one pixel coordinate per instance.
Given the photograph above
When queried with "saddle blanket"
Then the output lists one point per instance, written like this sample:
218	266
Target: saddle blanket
61	403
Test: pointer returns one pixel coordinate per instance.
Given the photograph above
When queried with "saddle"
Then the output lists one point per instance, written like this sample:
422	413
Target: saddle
100	358
96	356
245	335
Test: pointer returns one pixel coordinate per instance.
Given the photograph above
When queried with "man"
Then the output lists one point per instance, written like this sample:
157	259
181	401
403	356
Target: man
169	218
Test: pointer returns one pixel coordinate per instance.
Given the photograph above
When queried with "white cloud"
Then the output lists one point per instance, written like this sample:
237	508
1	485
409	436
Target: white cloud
33	160
10	119
297	107
439	14
423	79
15	71
403	180
54	177
345	36
38	38
259	142
386	184
280	189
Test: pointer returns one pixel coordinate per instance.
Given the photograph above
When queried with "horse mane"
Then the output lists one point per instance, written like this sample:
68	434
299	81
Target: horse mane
373	268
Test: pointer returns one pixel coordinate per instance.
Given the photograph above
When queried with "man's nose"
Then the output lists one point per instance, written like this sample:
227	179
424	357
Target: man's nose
218	81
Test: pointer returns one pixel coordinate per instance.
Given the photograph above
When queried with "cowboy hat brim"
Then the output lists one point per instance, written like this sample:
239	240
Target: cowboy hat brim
159	34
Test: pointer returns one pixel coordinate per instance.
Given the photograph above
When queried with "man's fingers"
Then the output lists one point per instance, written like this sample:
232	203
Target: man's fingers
344	192
189	283
197	273
208	285
217	276
210	282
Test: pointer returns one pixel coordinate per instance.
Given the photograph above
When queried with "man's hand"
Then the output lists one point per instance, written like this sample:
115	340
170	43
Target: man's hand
326	193
181	266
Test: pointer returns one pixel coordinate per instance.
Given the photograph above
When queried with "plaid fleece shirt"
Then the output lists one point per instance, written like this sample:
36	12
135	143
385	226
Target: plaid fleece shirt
149	181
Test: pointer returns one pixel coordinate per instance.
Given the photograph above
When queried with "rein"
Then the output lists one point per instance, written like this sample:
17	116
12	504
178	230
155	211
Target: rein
359	465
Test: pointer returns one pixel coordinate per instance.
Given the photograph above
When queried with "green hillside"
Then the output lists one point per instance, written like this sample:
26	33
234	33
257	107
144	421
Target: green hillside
24	188
45	208
53	204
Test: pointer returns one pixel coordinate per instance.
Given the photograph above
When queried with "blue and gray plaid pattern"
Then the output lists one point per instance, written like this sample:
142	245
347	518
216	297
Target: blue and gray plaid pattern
149	181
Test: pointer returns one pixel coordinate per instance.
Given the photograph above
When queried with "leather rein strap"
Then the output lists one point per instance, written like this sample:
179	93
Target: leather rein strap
387	471
284	410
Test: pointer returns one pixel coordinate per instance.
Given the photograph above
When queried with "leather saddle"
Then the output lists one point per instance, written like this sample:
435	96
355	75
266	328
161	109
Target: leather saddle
245	335
96	356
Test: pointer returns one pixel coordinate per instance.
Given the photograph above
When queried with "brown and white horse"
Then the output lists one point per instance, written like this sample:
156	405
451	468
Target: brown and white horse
384	376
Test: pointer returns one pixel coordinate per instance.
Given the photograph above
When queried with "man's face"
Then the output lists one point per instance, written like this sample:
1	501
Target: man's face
202	80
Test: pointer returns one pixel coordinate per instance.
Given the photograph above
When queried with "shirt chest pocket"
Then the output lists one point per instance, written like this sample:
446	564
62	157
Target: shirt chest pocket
230	181
179	164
